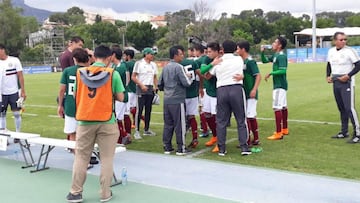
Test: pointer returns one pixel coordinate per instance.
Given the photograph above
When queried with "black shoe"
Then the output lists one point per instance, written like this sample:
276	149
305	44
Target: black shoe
16	140
222	153
354	140
168	150
74	198
340	135
245	151
93	160
182	152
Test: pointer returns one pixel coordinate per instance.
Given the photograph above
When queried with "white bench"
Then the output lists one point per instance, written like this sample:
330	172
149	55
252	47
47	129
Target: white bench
49	144
24	145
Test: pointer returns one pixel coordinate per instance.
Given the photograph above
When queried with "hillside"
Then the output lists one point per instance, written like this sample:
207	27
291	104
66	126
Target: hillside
39	14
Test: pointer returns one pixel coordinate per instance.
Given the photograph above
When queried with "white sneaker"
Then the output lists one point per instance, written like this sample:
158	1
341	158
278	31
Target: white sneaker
149	133
137	135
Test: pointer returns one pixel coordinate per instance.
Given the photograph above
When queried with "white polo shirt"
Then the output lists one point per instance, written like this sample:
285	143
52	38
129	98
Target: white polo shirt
342	61
145	71
231	65
10	66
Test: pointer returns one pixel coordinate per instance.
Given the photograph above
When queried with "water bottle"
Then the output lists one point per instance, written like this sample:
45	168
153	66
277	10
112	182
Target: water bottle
124	176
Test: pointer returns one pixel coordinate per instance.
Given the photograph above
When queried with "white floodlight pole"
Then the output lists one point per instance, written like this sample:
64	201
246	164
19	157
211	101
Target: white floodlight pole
314	30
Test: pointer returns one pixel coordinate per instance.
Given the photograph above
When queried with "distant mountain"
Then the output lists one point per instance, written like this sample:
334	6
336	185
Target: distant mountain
39	14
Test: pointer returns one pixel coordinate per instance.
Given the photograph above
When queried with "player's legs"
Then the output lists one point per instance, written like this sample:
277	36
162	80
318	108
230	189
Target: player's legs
192	110
279	103
251	120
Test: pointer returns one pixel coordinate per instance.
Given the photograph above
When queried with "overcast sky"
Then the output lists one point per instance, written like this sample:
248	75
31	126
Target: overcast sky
159	7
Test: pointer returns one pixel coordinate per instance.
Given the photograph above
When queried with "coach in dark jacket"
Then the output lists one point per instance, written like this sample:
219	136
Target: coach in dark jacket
173	81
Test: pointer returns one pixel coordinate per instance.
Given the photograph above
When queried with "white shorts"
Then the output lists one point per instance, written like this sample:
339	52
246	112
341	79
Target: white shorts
279	99
120	108
209	104
251	108
132	99
127	108
192	106
70	125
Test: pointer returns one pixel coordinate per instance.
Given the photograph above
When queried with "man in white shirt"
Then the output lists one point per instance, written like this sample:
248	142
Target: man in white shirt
343	64
145	77
13	77
230	97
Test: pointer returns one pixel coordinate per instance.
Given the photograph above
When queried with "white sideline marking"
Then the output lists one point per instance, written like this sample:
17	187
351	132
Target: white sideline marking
290	120
191	155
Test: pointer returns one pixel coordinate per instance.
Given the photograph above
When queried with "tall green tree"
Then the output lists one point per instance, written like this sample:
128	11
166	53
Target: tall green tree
141	35
60	18
75	16
105	32
11	27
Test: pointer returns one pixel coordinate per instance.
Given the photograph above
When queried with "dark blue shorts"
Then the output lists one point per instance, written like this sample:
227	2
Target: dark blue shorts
10	100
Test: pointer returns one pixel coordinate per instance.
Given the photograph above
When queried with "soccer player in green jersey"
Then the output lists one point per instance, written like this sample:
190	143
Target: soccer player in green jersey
280	63
251	80
67	82
121	108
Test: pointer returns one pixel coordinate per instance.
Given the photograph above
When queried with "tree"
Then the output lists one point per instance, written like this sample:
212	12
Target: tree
11	27
353	21
273	16
60	18
105	32
98	18
75	16
141	35
325	22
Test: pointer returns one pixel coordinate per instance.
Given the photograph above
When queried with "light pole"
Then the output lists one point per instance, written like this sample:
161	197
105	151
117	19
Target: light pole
314	30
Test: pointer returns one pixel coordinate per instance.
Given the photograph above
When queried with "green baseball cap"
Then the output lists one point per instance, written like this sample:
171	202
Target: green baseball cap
148	50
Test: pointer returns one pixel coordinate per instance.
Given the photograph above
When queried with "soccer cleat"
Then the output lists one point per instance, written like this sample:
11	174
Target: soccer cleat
340	135
211	142
275	136
137	135
204	134
255	142
285	131
354	140
74	198
193	143
216	149
149	133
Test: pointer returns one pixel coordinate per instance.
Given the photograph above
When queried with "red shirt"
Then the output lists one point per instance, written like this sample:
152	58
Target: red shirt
66	59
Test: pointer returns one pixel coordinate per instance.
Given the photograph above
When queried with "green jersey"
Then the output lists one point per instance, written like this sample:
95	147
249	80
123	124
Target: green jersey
209	85
130	67
251	70
191	66
280	63
68	79
122	69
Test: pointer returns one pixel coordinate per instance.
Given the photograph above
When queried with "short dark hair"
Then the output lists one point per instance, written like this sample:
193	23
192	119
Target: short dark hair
174	50
229	46
244	45
199	47
180	47
214	46
2	46
338	33
80	55
77	39
115	49
102	51
130	53
282	41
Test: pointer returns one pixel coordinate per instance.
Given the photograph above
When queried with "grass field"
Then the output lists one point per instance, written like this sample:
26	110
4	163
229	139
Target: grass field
313	118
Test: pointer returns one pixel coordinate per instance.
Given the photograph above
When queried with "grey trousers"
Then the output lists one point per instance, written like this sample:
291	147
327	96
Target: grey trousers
345	99
231	99
174	120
